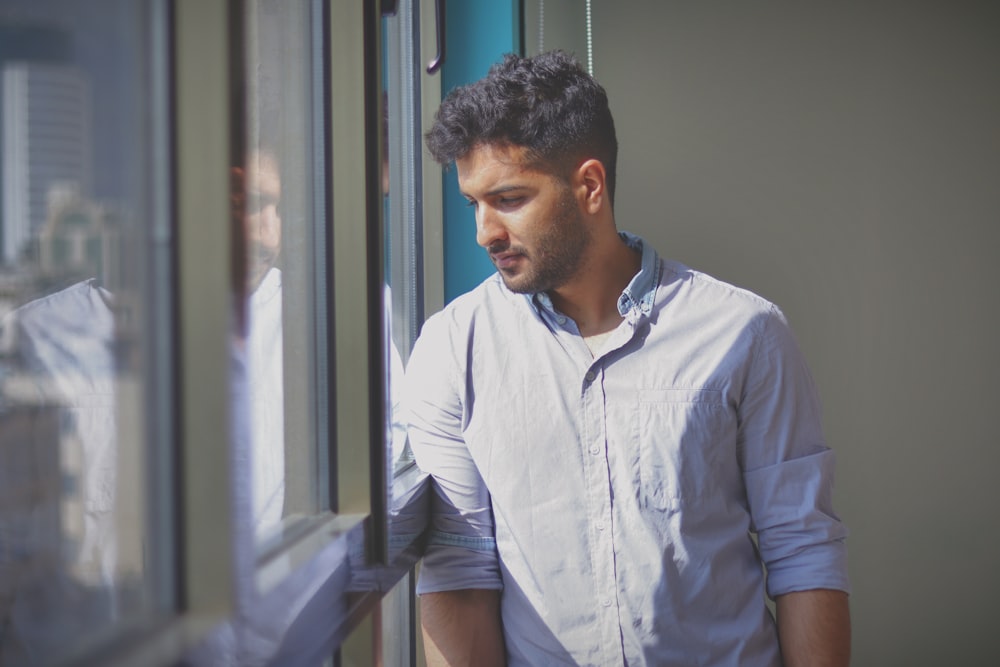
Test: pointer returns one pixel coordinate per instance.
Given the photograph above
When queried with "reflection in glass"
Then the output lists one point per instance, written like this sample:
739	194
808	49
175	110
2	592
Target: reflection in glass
263	348
285	242
78	556
401	187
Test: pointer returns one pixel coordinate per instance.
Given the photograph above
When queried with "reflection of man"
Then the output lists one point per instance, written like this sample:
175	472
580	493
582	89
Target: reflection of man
260	184
605	428
61	393
256	201
59	552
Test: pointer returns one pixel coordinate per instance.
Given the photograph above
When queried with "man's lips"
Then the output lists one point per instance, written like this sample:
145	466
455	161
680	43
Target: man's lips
505	260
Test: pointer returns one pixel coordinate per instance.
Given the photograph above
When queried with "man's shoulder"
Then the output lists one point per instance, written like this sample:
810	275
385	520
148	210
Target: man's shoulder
680	282
80	304
477	318
66	334
490	299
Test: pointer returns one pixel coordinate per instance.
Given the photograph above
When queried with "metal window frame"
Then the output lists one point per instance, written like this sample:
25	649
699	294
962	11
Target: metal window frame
205	135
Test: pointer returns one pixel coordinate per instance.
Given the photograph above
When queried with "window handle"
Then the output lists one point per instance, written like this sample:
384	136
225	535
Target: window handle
435	64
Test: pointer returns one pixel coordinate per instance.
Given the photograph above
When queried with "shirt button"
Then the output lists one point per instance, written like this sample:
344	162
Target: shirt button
561	320
595	450
589	377
606	603
600	526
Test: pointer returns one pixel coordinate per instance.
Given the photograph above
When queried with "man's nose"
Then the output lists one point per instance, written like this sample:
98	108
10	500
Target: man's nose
489	228
264	225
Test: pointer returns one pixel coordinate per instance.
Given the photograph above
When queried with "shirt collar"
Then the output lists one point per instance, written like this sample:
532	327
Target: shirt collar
637	299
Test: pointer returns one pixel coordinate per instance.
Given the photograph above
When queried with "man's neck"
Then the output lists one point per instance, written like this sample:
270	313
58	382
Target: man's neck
591	297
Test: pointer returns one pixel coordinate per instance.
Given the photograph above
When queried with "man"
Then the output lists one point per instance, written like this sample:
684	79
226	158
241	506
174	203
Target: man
608	431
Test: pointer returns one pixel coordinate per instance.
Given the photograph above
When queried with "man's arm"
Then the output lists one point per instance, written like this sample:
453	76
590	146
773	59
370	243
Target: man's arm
462	628
814	628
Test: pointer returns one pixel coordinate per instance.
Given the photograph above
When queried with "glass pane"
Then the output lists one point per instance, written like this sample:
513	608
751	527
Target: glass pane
404	294
83	384
286	243
402	211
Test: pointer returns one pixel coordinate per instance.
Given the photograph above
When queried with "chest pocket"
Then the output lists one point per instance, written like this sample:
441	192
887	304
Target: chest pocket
686	449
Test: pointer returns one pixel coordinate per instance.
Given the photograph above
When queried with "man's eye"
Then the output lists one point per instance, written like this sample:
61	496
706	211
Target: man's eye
510	201
470	202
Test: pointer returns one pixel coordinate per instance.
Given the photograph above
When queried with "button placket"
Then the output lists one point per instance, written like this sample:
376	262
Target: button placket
599	509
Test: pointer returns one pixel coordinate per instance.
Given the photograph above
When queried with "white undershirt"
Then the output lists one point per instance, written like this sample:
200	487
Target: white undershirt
596	342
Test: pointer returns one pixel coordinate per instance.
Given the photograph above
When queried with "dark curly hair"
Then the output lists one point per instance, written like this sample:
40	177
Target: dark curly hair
547	104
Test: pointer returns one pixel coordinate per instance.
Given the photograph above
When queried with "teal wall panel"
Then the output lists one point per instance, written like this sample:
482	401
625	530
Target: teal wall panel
479	33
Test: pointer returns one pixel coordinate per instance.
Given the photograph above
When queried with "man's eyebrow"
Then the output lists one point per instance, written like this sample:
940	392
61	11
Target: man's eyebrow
498	191
506	188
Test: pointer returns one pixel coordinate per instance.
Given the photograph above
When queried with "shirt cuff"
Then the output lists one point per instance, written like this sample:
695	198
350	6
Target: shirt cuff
801	539
457	562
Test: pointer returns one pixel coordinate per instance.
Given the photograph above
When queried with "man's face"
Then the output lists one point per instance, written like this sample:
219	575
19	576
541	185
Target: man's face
527	220
262	220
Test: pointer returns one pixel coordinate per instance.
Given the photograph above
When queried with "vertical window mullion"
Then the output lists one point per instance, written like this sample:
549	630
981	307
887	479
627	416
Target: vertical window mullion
323	253
347	179
162	409
203	116
378	412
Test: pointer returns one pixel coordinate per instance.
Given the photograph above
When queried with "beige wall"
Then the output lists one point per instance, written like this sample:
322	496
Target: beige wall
843	160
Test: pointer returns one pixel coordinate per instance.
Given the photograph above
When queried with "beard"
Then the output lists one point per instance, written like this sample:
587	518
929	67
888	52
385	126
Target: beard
260	259
555	254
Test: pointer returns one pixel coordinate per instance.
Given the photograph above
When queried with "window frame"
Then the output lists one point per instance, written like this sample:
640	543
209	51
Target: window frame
218	578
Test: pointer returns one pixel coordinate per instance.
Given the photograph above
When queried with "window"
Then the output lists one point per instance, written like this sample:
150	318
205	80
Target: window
85	381
211	274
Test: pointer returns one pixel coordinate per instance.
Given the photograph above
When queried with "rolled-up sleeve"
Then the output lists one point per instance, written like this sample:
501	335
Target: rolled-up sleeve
788	468
461	549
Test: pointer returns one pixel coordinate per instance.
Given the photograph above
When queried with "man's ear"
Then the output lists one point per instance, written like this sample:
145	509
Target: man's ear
591	184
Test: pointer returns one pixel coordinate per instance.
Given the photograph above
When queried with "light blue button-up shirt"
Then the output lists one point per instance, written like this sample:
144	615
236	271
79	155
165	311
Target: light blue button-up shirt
614	497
